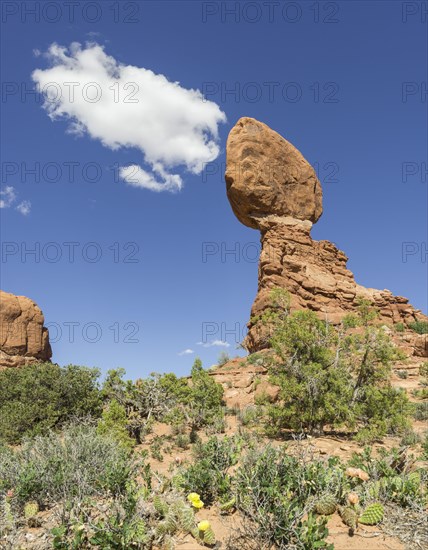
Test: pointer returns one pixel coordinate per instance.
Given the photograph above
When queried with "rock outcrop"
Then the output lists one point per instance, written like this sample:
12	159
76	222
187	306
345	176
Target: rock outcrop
271	187
23	337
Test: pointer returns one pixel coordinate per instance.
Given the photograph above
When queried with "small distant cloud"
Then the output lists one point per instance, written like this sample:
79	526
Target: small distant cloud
187	351
7	197
214	343
24	207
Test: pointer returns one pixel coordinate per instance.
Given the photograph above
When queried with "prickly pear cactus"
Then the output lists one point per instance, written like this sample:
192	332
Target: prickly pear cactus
187	520
31	509
372	515
6	516
228	506
325	505
160	505
375	489
209	537
349	517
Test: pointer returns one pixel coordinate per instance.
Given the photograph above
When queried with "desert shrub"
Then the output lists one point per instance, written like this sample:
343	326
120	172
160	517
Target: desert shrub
73	465
423	369
113	422
403	374
165	398
250	416
420	411
409	438
182	441
223	358
391	478
421	327
206	398
120	527
333	377
421	393
156	448
207	475
38	397
399	327
274	491
425	446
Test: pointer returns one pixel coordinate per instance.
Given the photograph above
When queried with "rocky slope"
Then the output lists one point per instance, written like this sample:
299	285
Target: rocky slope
271	187
23	338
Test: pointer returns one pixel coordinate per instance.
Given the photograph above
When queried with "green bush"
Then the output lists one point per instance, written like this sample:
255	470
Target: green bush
36	398
208	475
166	398
399	327
206	398
420	411
223	358
114	422
75	464
423	369
274	490
334	377
421	327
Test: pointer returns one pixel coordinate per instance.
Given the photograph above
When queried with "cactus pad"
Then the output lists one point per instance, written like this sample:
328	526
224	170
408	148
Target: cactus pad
31	509
349	517
326	505
372	515
209	537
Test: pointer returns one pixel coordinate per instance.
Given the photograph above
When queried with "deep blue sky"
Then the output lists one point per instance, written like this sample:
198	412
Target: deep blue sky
361	60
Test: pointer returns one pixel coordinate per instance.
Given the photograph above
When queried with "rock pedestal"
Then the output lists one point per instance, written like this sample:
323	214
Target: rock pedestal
271	187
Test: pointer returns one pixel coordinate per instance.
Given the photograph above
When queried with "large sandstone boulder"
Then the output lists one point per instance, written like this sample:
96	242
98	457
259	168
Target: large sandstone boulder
271	187
266	175
23	338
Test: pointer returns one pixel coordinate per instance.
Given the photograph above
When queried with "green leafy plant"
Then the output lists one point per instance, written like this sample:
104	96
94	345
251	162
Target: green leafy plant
114	423
39	397
75	464
333	377
421	327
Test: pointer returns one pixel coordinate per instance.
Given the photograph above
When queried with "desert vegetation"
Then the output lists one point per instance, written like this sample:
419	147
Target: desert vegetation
164	461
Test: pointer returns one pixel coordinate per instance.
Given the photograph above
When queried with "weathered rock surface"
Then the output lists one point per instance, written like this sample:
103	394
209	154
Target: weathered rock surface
266	175
282	202
23	338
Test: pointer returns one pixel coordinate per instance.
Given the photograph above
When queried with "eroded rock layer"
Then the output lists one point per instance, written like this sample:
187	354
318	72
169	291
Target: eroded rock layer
271	187
23	337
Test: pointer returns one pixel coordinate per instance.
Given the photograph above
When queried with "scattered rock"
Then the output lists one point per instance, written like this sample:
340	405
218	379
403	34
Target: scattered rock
420	344
267	390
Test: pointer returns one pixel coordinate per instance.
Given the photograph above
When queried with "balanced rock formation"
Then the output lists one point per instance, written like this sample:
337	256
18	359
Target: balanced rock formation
271	187
23	338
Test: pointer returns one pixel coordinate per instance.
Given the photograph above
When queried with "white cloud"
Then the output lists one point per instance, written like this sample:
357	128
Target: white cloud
187	351
217	343
24	207
7	197
136	176
128	106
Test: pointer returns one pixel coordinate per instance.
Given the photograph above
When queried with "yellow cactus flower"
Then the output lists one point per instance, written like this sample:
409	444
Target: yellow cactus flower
204	525
197	504
195	500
